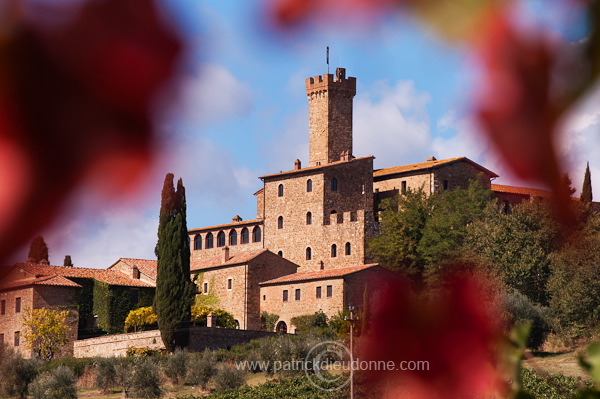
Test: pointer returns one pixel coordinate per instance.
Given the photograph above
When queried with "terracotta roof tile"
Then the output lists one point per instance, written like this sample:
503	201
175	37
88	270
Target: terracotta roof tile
46	280
227	225
319	274
313	168
532	192
146	266
108	276
428	165
217	261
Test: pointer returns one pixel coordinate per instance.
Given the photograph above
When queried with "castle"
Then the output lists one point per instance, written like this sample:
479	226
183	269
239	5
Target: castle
305	251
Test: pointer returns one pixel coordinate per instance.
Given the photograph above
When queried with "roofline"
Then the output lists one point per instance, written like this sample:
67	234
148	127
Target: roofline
434	166
314	168
222	226
31	283
341	276
262	251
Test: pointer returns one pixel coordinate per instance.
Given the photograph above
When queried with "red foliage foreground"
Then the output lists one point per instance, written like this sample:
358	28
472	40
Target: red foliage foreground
75	99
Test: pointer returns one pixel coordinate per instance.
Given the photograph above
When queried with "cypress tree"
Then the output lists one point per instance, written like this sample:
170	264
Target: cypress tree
586	190
174	288
67	261
38	251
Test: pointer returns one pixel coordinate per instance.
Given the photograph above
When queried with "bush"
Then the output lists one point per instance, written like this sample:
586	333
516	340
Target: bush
142	352
140	378
268	321
521	309
141	319
229	377
201	368
200	314
56	384
16	373
105	373
175	365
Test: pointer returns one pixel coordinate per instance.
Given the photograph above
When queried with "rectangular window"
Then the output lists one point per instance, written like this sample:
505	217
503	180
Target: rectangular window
229	283
18	305
17	338
264	297
445	184
205	288
318	292
329	291
3	307
404	187
297	294
1	338
285	295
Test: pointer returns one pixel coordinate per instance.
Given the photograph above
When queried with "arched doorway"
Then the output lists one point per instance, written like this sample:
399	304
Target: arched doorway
281	327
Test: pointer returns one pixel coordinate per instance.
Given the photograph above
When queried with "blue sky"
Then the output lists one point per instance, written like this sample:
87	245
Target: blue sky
241	112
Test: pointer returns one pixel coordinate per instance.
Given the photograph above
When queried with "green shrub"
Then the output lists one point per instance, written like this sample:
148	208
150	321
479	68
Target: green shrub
140	378
201	367
16	373
77	365
521	309
268	321
56	384
142	352
175	365
229	377
200	314
105	373
141	319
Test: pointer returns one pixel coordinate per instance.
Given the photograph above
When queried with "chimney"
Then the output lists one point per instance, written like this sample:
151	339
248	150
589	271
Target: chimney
226	256
431	159
236	218
297	164
135	273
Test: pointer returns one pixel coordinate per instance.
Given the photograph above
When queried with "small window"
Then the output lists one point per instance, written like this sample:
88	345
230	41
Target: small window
3	307
309	218
404	187
280	190
308	253
197	242
229	283
333	251
309	186
280	222
445	184
221	239
280	253
17	338
205	287
348	250
1	338
209	241
245	236
334	184
256	234
233	237
297	294
318	294
329	291
264	297
285	295
18	305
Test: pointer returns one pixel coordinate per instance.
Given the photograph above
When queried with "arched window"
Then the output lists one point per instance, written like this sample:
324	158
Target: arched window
333	251
348	249
245	236
334	185
280	190
256	234
309	186
309	218
308	253
280	253
281	327
233	237
221	239
197	242
280	222
209	241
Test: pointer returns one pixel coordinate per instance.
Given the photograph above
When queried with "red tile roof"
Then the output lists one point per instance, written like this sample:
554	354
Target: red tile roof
146	266
226	226
217	261
429	165
46	280
532	192
320	274
108	276
314	168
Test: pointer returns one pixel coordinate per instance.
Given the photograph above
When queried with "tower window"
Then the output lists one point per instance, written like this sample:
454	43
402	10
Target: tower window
245	236
308	218
209	241
280	222
280	190
229	283
308	253
197	242
297	294
333	251
221	239
309	186
348	249
256	237
318	294
334	184
285	295
233	237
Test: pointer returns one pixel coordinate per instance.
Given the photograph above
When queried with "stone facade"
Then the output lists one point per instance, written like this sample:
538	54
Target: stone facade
238	235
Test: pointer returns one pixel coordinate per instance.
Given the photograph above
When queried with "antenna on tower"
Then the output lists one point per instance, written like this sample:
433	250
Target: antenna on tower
327	60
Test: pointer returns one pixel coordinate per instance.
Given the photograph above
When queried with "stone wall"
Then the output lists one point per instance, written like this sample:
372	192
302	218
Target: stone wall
11	322
200	339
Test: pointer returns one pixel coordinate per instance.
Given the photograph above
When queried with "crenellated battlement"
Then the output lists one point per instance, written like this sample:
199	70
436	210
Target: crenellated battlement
329	82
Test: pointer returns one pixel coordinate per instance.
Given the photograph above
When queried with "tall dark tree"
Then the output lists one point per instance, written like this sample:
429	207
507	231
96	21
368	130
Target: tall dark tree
174	288
68	261
586	190
38	251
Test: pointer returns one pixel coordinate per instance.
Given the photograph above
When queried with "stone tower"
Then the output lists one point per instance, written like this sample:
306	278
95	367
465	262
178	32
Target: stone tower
330	116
